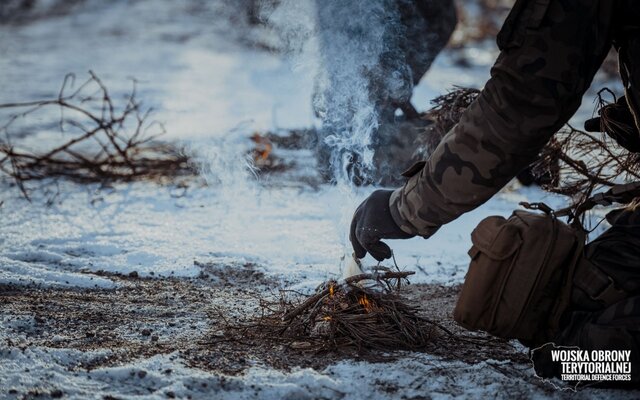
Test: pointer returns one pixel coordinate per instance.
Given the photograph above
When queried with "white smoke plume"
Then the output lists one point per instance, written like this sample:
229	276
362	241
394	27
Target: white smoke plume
351	48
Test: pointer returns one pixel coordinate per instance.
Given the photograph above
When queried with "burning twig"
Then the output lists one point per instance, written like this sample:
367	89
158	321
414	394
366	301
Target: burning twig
264	159
122	140
364	311
331	288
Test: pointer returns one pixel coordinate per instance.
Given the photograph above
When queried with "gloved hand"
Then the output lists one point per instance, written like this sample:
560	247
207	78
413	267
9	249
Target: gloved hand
371	222
617	121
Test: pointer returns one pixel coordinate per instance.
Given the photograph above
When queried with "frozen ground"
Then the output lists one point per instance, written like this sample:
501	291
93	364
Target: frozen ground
80	244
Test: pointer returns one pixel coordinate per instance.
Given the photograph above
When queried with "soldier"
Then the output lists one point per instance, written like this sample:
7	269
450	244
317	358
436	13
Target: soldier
550	52
373	54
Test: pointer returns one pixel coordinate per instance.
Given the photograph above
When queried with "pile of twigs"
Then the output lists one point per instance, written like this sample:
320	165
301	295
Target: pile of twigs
107	142
447	109
365	311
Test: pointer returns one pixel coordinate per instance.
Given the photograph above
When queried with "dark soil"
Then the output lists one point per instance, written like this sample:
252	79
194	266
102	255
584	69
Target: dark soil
146	316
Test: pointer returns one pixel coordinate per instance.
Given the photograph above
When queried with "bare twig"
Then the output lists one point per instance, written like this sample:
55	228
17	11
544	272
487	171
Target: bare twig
578	162
445	114
588	161
128	149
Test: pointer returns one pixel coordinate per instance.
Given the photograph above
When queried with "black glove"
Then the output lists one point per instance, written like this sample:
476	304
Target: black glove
617	121
371	222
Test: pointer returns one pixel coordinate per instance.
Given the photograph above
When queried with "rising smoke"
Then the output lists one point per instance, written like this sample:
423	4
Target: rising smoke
364	57
353	49
353	52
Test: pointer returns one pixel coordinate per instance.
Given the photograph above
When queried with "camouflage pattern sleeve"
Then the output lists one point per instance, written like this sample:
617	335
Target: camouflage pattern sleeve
550	51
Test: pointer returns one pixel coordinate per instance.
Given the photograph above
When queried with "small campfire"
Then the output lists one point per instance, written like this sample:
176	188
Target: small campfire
364	311
263	157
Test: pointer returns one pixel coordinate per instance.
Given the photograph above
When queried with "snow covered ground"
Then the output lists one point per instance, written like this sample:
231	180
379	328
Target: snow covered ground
212	92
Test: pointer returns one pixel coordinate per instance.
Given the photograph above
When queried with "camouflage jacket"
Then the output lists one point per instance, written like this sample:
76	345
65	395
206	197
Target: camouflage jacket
550	52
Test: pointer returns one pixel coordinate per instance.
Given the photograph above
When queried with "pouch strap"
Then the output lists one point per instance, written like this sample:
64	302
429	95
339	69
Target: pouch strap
622	194
597	284
564	297
538	206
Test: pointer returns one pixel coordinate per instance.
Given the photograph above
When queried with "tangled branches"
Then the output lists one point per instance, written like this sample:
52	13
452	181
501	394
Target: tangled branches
573	163
445	113
109	143
448	108
363	312
588	160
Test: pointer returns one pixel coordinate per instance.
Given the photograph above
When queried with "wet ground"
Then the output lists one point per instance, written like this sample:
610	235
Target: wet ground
145	317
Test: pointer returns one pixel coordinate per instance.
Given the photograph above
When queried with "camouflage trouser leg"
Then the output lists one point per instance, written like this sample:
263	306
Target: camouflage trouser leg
551	49
389	43
610	326
617	327
373	53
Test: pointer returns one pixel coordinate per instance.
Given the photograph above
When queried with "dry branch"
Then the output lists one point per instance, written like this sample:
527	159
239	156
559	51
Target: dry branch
444	114
109	142
588	161
573	163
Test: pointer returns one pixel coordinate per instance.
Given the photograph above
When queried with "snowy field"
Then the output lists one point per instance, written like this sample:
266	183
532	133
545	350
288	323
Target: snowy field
212	89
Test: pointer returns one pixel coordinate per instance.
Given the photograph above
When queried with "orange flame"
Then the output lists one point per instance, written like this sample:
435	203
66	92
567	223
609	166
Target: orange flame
366	303
326	318
331	290
267	150
263	146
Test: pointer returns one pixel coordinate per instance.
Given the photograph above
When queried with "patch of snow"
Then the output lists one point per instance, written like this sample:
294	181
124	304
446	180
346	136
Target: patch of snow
34	273
204	85
162	376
